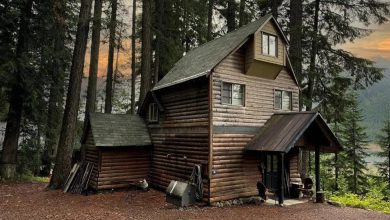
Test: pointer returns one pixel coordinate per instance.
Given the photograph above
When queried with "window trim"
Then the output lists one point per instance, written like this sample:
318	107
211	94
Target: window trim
231	94
156	113
281	103
262	46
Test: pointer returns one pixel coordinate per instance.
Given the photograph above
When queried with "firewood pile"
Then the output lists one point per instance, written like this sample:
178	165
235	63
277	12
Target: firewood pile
78	179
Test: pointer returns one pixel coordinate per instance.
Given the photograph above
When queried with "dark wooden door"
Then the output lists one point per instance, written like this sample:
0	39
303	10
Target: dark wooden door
271	172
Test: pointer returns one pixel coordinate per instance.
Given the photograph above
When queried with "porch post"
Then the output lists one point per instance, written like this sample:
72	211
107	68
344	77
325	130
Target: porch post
317	170
281	178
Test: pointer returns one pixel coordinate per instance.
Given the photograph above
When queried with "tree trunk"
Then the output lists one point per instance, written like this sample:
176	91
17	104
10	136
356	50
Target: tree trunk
241	15
94	61
90	105
336	171
295	52
388	168
55	106
133	71
312	65
65	145
231	15
110	65
146	62
295	25
160	16
210	20
274	7
14	117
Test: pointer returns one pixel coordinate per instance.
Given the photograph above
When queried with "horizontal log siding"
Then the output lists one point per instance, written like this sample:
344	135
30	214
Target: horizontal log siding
180	139
235	172
121	165
92	156
293	156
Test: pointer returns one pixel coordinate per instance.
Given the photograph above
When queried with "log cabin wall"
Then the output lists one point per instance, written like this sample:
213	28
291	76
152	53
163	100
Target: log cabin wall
122	165
92	156
294	174
180	138
234	172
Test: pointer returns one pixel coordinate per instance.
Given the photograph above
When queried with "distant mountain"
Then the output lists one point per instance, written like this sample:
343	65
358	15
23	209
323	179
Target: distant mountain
375	102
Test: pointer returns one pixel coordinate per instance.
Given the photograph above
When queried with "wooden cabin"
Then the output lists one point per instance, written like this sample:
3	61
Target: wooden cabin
231	106
119	146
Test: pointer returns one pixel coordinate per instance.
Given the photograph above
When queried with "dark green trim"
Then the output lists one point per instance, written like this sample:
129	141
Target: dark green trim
235	130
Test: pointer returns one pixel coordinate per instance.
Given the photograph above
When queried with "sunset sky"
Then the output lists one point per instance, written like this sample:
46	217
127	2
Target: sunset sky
376	46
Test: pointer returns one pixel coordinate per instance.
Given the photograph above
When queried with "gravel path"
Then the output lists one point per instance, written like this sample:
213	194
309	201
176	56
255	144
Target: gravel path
33	201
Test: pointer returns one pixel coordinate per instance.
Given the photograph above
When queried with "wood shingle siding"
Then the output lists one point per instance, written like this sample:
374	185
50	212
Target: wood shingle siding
180	138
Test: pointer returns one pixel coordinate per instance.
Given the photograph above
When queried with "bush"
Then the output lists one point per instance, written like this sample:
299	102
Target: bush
371	201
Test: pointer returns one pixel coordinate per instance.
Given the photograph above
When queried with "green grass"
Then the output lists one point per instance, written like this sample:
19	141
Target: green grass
364	202
30	178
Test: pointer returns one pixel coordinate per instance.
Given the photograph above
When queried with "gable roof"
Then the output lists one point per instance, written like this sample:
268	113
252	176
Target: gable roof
200	61
118	130
283	130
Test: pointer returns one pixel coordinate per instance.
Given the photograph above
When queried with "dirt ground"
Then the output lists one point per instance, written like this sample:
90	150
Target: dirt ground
33	201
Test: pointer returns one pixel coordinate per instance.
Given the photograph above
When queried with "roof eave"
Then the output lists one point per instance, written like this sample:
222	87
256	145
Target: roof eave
181	80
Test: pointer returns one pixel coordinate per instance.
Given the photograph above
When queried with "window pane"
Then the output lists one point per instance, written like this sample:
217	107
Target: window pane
286	100
275	163
238	94
265	44
278	99
269	163
153	112
272	45
226	93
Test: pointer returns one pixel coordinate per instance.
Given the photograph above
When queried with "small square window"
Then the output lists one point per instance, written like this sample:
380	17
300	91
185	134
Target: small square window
270	43
153	112
283	100
233	94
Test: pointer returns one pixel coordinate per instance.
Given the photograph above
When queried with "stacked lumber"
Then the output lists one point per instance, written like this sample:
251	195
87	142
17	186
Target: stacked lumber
78	179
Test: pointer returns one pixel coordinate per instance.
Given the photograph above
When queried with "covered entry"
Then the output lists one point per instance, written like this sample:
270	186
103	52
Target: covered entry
279	141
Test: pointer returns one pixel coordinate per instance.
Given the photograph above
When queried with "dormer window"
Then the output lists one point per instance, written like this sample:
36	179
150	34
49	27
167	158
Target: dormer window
283	100
269	44
153	112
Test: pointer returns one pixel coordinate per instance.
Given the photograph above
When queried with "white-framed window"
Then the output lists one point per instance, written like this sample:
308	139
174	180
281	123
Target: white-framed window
153	112
283	100
233	94
270	44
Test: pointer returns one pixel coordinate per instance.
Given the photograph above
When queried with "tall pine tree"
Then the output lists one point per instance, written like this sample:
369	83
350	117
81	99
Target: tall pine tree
384	143
354	140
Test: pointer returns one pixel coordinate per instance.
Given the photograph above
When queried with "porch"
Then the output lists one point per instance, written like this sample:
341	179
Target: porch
281	141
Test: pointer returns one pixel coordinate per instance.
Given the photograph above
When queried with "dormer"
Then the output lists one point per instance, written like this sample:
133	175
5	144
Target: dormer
266	51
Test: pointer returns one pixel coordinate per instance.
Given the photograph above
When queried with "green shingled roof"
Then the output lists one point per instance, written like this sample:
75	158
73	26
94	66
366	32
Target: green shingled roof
199	61
117	130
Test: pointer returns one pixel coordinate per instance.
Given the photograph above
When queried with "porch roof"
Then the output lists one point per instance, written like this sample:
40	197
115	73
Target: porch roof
283	131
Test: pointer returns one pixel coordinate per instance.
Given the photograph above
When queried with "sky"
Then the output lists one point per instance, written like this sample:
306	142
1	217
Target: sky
376	46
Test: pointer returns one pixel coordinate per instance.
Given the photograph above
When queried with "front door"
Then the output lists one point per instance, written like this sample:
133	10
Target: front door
271	177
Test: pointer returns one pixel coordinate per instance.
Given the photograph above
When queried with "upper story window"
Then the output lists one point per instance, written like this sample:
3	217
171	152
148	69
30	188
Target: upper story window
153	112
283	100
233	94
269	44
